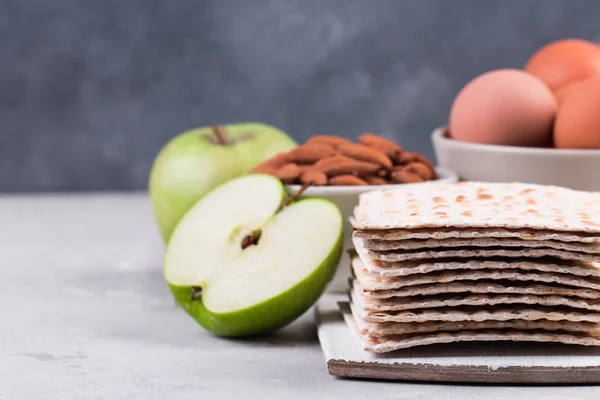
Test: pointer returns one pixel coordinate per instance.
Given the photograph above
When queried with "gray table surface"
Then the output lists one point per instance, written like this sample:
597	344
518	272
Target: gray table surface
85	314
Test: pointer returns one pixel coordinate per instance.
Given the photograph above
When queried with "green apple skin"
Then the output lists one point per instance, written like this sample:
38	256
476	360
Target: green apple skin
192	164
269	315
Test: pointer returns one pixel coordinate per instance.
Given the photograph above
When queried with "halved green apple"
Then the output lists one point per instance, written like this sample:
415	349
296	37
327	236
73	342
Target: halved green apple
241	264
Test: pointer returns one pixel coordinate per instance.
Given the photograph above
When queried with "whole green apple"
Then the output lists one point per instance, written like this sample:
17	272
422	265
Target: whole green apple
246	260
196	161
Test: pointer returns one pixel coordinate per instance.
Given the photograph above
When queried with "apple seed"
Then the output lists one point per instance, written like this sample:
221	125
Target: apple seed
251	239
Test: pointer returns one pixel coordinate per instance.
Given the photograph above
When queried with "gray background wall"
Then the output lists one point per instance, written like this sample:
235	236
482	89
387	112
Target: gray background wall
90	90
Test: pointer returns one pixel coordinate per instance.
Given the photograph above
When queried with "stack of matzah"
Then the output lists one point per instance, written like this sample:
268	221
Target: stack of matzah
476	262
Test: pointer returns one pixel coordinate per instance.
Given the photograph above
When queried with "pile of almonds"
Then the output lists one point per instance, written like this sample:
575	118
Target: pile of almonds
336	161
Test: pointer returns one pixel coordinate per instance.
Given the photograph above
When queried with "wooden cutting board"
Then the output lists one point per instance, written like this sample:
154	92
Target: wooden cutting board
539	363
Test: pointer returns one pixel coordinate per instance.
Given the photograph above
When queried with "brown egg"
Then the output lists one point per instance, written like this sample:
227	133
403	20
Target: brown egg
504	107
577	123
565	61
563	93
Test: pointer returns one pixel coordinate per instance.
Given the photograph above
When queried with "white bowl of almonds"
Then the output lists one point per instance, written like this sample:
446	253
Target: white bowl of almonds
340	170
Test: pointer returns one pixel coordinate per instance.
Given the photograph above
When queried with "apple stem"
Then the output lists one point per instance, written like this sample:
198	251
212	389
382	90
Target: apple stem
294	196
196	291
220	134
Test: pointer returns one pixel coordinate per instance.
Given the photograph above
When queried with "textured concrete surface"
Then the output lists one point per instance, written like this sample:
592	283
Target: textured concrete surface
90	90
84	314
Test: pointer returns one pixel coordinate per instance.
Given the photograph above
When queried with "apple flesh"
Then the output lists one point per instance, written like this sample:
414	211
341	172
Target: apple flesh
241	265
196	161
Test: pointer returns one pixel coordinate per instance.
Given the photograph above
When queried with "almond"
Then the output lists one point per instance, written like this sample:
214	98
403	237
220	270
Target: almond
310	153
401	175
422	158
420	168
329	140
425	160
307	167
347	180
341	165
317	178
376	180
288	173
383	173
390	148
364	153
405	158
271	165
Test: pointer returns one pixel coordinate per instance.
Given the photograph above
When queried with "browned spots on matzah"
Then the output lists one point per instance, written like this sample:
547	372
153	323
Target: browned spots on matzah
532	211
484	196
527	191
438	199
460	199
467	214
531	202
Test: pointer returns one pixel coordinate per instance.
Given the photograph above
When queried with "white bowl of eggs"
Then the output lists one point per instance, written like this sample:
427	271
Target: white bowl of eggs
538	125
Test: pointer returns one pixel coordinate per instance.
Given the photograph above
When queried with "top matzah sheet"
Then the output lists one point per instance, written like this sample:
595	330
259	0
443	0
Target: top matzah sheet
478	204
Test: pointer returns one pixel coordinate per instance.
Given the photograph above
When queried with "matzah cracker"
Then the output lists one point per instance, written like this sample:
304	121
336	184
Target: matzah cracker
477	233
499	287
504	313
371	282
386	245
454	300
480	204
404	268
474	253
377	329
396	342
